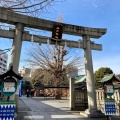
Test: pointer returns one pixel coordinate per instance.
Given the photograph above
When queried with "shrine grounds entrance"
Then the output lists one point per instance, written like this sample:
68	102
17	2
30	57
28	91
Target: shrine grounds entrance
18	35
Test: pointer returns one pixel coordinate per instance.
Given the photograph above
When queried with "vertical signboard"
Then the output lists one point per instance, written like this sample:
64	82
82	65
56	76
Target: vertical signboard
57	32
20	89
9	86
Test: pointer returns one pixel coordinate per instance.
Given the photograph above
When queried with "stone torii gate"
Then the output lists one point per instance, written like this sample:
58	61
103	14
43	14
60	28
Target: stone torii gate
18	35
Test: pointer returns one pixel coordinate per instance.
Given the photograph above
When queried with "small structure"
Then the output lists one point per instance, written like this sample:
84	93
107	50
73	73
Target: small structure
101	93
9	77
110	78
80	82
8	88
81	101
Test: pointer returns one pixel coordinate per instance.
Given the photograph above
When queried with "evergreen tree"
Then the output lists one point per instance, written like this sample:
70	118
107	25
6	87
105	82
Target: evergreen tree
99	74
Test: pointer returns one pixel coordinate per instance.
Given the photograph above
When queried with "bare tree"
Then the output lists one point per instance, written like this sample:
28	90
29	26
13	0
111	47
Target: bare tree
54	61
33	7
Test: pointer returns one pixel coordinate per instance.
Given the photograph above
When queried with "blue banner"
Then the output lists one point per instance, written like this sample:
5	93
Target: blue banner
20	89
7	112
109	107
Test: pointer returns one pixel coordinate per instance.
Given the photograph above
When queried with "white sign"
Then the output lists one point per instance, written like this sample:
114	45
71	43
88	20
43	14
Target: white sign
9	87
109	88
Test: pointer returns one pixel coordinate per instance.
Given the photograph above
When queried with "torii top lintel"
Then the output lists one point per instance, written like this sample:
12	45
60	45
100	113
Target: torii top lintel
32	22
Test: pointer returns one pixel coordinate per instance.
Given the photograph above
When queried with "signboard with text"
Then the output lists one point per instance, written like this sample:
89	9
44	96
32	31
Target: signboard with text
7	110
110	89
57	32
109	106
9	86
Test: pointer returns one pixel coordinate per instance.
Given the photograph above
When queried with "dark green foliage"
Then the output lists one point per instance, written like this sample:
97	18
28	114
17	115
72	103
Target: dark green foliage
99	74
36	78
26	85
36	82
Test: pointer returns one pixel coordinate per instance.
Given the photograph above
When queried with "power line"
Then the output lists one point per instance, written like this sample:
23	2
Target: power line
6	50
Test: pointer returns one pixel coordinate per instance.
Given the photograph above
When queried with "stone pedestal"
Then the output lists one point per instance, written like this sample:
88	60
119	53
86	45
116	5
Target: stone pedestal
92	113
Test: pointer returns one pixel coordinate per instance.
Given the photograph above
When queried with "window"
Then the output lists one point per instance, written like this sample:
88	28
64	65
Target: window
4	65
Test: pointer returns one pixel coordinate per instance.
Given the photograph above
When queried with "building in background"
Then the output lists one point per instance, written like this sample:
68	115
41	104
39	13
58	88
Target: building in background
25	72
3	62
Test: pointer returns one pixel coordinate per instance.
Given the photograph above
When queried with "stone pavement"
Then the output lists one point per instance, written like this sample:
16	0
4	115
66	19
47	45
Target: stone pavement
38	108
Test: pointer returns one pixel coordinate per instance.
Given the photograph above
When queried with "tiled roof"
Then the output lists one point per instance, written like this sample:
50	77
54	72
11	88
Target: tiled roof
108	78
80	78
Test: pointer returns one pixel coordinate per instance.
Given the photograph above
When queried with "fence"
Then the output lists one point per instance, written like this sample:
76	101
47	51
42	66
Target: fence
81	102
100	100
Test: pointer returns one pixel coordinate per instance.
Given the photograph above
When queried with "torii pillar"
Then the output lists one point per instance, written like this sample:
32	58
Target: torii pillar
92	103
15	54
16	47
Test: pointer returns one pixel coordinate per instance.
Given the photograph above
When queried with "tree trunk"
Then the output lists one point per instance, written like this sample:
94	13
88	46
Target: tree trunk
58	90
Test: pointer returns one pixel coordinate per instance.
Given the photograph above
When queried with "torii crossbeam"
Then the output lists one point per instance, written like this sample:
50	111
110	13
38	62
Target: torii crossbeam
21	21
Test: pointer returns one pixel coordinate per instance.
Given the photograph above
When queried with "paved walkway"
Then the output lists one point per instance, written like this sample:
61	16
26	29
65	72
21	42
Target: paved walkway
48	109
